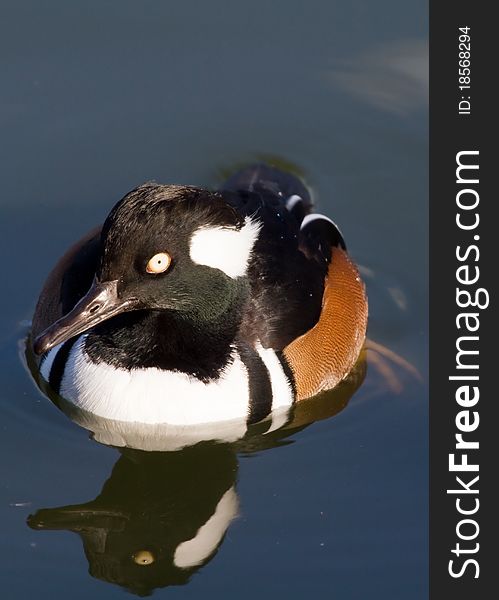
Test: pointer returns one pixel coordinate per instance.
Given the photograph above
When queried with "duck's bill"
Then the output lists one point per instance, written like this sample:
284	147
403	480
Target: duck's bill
77	517
99	304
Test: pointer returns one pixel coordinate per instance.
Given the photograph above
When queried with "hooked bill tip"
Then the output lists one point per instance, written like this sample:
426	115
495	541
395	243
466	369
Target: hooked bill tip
43	343
40	345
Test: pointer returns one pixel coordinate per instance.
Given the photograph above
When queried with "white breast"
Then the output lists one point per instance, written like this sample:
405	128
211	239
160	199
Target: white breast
158	397
153	395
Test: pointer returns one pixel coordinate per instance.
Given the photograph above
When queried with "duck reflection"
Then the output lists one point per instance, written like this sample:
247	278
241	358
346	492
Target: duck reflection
158	518
161	516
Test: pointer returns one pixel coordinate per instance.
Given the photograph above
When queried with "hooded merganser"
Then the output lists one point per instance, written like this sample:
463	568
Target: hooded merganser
191	307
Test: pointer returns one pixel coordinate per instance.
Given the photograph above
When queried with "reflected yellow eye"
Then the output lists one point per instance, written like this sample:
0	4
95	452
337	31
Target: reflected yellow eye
159	263
143	557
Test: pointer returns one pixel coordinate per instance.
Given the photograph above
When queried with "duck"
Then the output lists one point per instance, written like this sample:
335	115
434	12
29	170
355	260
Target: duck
192	307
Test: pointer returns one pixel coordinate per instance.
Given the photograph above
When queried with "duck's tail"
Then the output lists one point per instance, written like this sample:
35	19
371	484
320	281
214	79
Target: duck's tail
318	234
261	177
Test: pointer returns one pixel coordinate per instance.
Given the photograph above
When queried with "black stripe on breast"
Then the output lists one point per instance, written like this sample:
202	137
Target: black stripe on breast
288	371
260	387
59	364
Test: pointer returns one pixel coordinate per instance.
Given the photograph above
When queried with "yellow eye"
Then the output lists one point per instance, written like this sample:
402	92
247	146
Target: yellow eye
159	263
143	558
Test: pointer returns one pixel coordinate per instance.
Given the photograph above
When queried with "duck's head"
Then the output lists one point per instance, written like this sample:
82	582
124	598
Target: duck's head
166	248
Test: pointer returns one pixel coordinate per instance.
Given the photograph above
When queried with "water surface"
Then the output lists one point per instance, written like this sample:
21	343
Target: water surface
100	96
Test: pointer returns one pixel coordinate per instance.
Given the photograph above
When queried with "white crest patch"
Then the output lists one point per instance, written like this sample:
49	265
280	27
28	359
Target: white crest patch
225	248
193	552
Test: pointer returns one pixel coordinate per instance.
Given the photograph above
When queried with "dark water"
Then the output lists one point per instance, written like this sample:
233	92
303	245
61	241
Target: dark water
98	97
